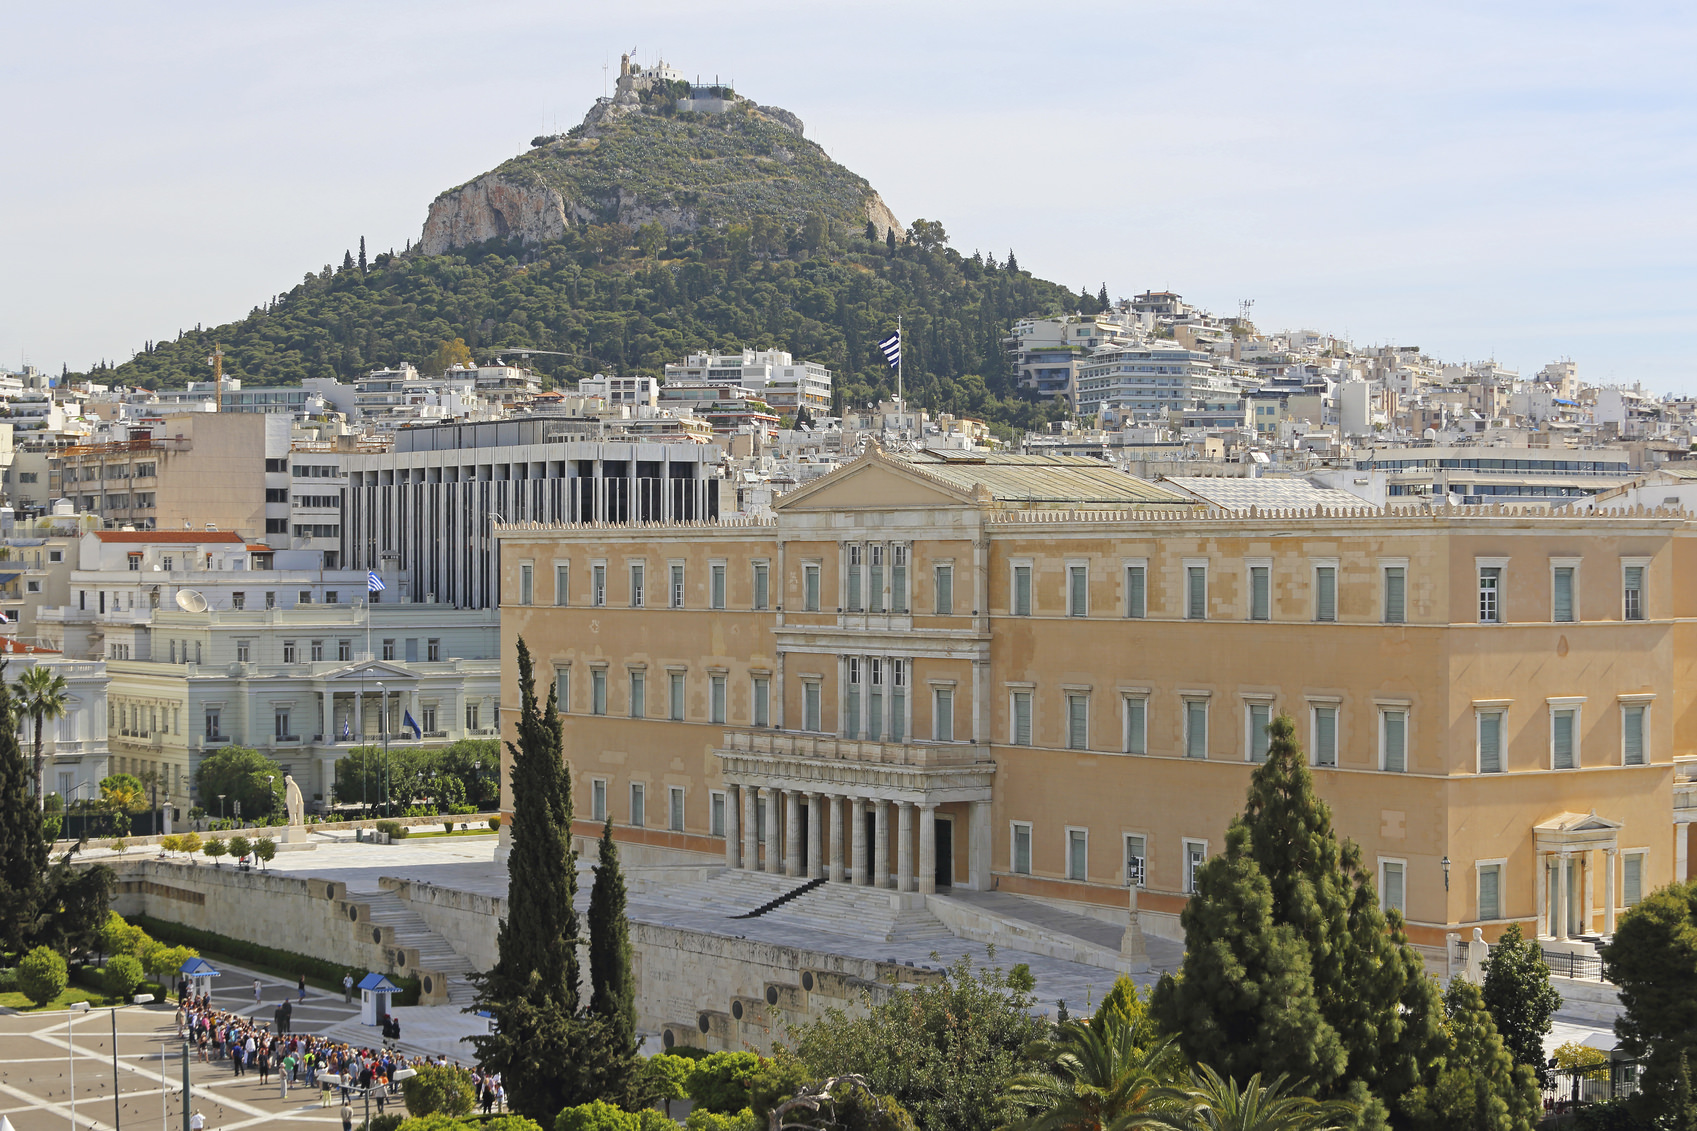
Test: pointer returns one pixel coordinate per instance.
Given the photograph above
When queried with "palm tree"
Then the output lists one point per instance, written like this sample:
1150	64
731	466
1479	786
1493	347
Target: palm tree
42	694
1101	1082
1218	1104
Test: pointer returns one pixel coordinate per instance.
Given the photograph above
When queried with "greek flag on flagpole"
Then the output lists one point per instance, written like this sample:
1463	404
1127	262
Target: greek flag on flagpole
373	583
892	349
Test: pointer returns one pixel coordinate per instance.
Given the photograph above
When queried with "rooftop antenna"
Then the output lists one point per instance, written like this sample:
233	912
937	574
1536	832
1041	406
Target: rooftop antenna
216	360
603	80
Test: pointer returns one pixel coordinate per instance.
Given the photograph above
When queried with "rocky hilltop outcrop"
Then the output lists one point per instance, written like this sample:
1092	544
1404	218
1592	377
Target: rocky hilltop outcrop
657	152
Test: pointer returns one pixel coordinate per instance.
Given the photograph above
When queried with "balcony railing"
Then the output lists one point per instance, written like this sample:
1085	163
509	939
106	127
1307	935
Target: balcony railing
789	744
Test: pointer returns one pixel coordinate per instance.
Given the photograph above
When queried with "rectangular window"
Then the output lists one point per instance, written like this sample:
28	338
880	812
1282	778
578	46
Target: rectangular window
1019	730
1078	722
1632	734
636	579
344	650
675	810
716	689
676	691
433	649
851	697
762	701
898	579
1490	742
716	577
1021	849
762	585
810	705
1490	594
471	717
638	695
945	579
1195	855
527	583
677	586
598	799
563	686
238	600
898	699
1022	591
562	584
244	650
214	726
1260	593
1325	736
875	584
810	588
1260	714
288	651
428	718
1396	594
1137	591
1561	738
598	691
1136	860
854	578
1632	876
1391	894
1136	724
943	714
875	699
716	814
1490	891
1393	727
1326	593
638	804
598	585
1561	594
316	653
389	648
1196	592
1195	728
1078	854
1078	591
270	598
1632	592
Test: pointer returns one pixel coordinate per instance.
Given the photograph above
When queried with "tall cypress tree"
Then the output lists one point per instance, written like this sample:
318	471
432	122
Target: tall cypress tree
362	255
612	987
23	849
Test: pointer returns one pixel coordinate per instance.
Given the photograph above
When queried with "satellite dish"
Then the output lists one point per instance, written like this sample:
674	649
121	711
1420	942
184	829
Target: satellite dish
191	601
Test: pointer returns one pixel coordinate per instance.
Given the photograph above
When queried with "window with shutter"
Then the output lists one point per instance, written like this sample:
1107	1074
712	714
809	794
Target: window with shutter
1078	854
1491	742
1326	593
898	579
1391	886
851	698
1561	598
1395	725
1490	880
1136	725
1561	740
1136	591
1196	603
945	590
717	699
1633	604
1078	581
1259	714
762	701
854	579
1325	736
677	692
943	715
1260	593
1021	735
1022	591
1632	867
1195	728
1078	715
1022	849
1632	734
762	584
875	582
1396	594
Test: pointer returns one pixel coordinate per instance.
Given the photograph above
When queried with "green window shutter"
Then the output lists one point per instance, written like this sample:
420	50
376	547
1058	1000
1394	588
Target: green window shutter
1078	579
1326	593
1561	740
1489	905
1258	737
1260	593
1197	604
1396	741
1078	707
1561	603
1022	718
1196	729
1633	869
1136	726
1396	595
1136	592
1491	743
1632	728
1326	736
1022	591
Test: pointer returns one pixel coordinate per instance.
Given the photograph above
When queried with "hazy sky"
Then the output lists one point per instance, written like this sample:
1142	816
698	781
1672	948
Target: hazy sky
1482	180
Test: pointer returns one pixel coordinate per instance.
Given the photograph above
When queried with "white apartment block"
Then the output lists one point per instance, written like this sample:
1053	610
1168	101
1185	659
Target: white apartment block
620	391
1143	381
777	378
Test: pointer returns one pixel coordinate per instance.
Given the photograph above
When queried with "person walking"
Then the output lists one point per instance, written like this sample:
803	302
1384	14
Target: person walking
347	989
256	991
347	1116
197	1121
302	986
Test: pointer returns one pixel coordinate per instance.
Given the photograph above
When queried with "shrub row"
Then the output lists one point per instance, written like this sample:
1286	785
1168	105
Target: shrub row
267	959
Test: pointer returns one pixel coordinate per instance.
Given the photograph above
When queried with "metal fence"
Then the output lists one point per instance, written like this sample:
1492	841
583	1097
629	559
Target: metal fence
1563	964
1599	1083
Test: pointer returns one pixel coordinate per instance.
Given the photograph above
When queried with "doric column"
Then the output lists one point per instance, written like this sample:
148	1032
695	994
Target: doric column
835	875
750	828
904	846
1588	908
881	844
815	836
1560	901
774	857
327	716
978	850
792	833
1609	892
733	843
1681	852
927	849
1541	884
857	839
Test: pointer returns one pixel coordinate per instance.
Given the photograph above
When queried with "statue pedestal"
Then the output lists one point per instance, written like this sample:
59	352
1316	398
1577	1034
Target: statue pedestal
295	834
1134	955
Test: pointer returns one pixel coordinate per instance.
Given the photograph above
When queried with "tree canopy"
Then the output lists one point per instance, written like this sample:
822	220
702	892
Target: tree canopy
244	775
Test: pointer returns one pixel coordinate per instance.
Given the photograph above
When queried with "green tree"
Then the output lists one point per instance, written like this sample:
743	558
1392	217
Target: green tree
24	850
1522	1002
665	1078
1218	1103
243	775
42	975
1652	960
239	847
42	695
945	1051
440	1088
1477	1087
612	988
596	1115
721	1081
1123	1005
265	848
216	847
121	976
449	353
871	231
1097	1078
928	235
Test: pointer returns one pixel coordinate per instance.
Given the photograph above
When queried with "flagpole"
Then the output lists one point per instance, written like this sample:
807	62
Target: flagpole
898	363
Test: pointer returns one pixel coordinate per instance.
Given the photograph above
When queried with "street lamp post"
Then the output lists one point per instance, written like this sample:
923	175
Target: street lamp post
221	808
271	786
70	1044
387	782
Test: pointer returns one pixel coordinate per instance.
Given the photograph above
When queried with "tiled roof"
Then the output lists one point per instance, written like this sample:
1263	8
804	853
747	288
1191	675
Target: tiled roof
1043	479
1241	494
174	537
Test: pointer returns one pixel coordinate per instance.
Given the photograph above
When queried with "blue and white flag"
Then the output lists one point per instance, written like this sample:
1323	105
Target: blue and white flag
407	724
373	583
346	732
892	349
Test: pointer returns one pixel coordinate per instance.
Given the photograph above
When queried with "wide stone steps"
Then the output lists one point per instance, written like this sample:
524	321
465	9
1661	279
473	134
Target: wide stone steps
434	952
839	909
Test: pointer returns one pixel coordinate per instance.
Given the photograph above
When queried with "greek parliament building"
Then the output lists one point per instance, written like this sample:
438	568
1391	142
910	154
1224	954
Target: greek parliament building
1041	675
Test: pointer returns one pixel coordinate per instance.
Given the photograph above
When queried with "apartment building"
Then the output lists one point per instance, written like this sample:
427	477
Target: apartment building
1042	675
784	383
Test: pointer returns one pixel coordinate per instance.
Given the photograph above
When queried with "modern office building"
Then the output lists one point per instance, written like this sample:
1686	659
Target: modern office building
1047	677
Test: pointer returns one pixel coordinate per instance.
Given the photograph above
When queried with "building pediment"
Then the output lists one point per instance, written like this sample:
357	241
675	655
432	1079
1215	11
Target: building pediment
874	481
1575	831
369	670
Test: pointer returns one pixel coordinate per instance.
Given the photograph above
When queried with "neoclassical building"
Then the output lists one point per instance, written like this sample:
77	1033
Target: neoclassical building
1042	675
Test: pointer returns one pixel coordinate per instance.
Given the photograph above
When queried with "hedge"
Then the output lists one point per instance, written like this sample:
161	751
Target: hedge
267	959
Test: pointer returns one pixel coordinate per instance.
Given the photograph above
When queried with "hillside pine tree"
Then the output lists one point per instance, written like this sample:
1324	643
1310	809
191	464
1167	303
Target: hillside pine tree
362	255
23	850
1653	960
871	231
612	988
890	240
1522	1002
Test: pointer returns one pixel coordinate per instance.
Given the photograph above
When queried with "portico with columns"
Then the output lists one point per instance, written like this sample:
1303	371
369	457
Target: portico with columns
811	797
1570	849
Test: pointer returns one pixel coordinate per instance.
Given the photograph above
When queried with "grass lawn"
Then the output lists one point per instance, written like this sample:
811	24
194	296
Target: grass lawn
71	995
